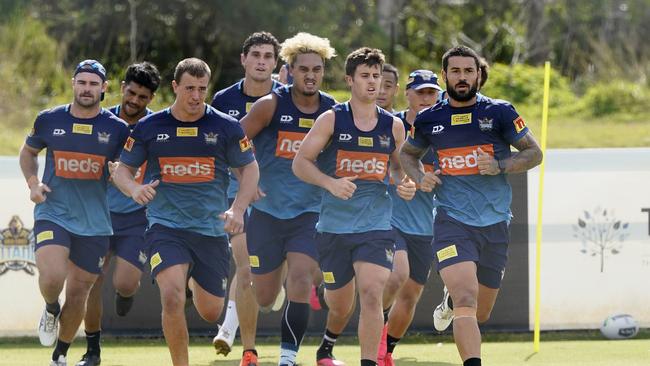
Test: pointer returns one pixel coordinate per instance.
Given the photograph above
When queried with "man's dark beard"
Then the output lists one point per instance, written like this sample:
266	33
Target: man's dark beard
471	93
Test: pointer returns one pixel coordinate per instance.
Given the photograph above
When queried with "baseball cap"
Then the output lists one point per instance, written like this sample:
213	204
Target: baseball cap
420	79
91	66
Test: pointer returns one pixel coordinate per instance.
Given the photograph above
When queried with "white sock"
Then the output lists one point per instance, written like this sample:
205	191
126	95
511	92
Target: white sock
287	357
231	321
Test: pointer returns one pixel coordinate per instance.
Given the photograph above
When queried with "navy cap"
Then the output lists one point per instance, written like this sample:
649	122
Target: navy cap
93	67
420	79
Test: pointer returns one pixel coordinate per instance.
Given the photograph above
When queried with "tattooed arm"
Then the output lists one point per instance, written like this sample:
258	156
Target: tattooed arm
410	156
528	157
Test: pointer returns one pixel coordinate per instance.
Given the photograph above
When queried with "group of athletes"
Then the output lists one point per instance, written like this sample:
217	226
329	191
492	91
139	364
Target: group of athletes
353	196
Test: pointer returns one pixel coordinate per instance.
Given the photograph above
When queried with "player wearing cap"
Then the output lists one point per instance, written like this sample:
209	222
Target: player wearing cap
282	224
127	217
259	57
470	136
411	223
355	144
389	88
71	217
188	149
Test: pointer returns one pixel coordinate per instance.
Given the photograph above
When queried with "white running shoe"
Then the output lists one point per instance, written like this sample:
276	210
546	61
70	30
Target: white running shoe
279	300
48	329
223	341
60	362
444	314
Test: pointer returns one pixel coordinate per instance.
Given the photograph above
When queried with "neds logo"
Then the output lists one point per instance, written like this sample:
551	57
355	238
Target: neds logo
288	144
75	165
186	169
462	160
368	166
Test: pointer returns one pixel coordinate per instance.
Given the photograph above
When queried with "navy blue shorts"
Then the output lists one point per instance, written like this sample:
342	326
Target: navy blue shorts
208	256
269	239
246	215
455	242
86	252
418	248
127	241
338	253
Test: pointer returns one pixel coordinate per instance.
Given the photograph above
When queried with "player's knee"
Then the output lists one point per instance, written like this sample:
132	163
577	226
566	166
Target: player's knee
125	287
371	296
244	276
300	279
52	281
173	300
461	312
265	298
464	299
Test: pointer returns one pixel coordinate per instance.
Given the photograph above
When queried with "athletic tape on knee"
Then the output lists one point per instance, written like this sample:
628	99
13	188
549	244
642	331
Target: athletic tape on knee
464	312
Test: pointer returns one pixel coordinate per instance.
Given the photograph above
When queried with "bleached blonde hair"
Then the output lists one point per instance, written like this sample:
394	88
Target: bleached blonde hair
306	43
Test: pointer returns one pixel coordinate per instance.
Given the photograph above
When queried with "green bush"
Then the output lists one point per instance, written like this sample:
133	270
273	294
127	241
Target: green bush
619	97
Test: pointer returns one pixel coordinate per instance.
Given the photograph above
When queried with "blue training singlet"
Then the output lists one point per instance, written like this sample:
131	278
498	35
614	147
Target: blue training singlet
191	160
235	103
414	217
117	201
275	147
76	167
364	154
455	134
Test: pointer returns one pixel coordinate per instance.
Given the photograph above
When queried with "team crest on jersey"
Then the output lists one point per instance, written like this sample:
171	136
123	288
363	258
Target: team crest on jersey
17	248
210	138
249	105
485	124
384	141
103	137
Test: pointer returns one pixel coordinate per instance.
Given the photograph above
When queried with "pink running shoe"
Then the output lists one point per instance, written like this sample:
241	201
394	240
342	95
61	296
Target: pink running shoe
329	362
388	360
381	353
313	299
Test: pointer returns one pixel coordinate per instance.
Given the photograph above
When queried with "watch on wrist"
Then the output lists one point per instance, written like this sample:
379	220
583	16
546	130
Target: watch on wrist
501	164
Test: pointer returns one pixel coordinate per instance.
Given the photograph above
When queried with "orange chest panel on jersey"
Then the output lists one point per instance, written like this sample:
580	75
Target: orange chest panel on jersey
186	169
288	144
366	165
76	165
461	160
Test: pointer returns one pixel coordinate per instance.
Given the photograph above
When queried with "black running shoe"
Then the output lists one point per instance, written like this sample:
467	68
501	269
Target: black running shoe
89	359
123	304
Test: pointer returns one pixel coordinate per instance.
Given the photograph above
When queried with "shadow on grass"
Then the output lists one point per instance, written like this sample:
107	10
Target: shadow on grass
406	361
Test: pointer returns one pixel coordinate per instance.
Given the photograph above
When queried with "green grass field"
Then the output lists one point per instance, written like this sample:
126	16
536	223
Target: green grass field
430	350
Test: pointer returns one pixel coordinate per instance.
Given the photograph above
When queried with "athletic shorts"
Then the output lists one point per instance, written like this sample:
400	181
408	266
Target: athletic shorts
338	253
86	252
127	241
418	248
208	256
456	242
269	239
246	214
